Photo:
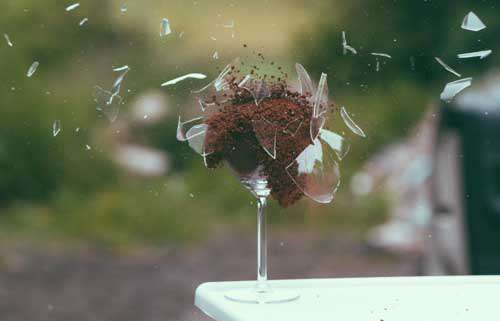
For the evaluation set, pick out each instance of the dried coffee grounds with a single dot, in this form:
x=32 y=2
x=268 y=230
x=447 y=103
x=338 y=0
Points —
x=232 y=138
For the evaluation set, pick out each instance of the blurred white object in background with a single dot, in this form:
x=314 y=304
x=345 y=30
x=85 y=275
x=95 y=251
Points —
x=149 y=107
x=141 y=160
x=402 y=172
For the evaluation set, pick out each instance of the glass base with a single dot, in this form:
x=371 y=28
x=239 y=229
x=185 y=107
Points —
x=256 y=296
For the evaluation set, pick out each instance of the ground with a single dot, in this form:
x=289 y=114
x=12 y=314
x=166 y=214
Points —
x=152 y=284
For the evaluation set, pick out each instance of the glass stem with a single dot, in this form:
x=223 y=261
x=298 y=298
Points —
x=261 y=244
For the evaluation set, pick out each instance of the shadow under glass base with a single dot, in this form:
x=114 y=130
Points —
x=257 y=296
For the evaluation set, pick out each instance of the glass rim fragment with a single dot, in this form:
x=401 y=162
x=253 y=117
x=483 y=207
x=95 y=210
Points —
x=181 y=78
x=7 y=39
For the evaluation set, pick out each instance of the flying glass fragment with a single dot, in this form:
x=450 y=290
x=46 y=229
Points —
x=453 y=88
x=472 y=22
x=32 y=69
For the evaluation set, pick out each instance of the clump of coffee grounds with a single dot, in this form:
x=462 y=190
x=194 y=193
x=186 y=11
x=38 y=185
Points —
x=232 y=139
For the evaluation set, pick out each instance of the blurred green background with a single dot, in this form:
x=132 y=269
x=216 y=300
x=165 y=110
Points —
x=57 y=189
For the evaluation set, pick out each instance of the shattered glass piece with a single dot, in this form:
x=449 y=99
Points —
x=118 y=82
x=213 y=38
x=336 y=142
x=56 y=127
x=472 y=22
x=377 y=65
x=72 y=6
x=381 y=54
x=215 y=56
x=257 y=87
x=321 y=97
x=448 y=68
x=7 y=39
x=181 y=78
x=315 y=126
x=213 y=94
x=315 y=172
x=196 y=138
x=230 y=24
x=306 y=86
x=108 y=103
x=87 y=147
x=453 y=88
x=182 y=127
x=481 y=54
x=122 y=68
x=293 y=126
x=346 y=47
x=123 y=8
x=350 y=123
x=164 y=28
x=266 y=133
x=83 y=21
x=32 y=69
x=181 y=34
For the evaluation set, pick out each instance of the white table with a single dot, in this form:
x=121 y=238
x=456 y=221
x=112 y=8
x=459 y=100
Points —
x=454 y=298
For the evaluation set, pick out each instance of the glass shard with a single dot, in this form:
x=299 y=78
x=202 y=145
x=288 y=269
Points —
x=56 y=128
x=164 y=28
x=108 y=103
x=320 y=107
x=83 y=21
x=257 y=87
x=315 y=126
x=306 y=86
x=196 y=138
x=472 y=22
x=7 y=39
x=123 y=8
x=480 y=54
x=183 y=127
x=315 y=172
x=345 y=46
x=215 y=56
x=32 y=69
x=266 y=133
x=381 y=54
x=377 y=65
x=448 y=68
x=118 y=82
x=72 y=6
x=350 y=123
x=181 y=78
x=336 y=142
x=87 y=147
x=453 y=88
x=321 y=97
x=293 y=126
x=214 y=93
x=122 y=68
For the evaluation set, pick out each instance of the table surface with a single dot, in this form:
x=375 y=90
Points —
x=450 y=298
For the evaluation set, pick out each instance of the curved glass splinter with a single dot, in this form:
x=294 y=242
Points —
x=306 y=86
x=320 y=107
x=266 y=133
x=315 y=172
x=350 y=123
